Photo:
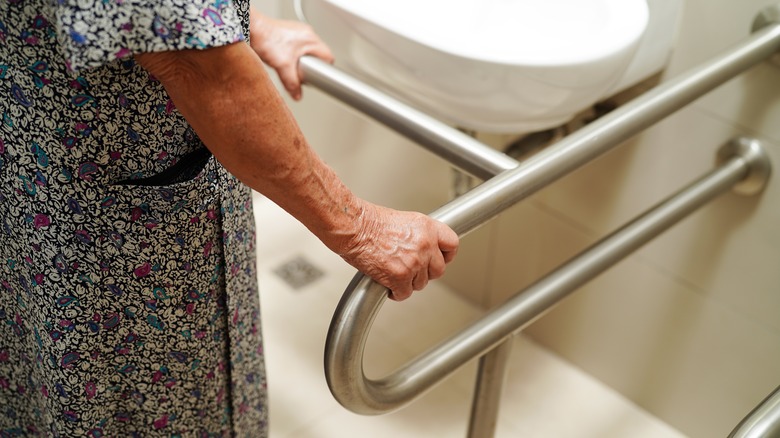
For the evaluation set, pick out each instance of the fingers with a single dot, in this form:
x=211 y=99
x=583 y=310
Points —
x=448 y=242
x=397 y=295
x=401 y=250
x=281 y=43
x=420 y=280
x=449 y=256
x=318 y=49
x=291 y=80
x=434 y=269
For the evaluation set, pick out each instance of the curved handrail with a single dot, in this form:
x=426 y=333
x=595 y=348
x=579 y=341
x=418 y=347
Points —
x=363 y=298
x=745 y=166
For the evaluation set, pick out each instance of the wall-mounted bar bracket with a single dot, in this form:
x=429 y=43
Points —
x=760 y=169
x=766 y=17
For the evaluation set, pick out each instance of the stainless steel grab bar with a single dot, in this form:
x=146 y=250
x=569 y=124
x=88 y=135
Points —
x=454 y=146
x=509 y=187
x=362 y=395
x=763 y=421
x=363 y=298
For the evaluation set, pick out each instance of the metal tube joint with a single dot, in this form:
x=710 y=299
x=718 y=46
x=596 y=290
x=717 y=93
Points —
x=768 y=16
x=758 y=164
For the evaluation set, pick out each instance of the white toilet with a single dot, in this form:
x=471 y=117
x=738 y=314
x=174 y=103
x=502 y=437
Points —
x=508 y=66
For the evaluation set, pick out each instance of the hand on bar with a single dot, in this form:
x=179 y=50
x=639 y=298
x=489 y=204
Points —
x=401 y=250
x=280 y=43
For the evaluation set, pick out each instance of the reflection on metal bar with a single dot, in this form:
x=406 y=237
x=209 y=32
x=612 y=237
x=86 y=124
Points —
x=454 y=146
x=356 y=311
x=509 y=187
x=363 y=298
x=487 y=392
x=763 y=421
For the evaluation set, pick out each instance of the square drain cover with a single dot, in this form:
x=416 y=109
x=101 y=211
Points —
x=298 y=272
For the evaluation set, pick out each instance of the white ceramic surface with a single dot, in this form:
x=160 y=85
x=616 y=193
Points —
x=490 y=65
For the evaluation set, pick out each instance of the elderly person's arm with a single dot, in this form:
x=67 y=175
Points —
x=227 y=97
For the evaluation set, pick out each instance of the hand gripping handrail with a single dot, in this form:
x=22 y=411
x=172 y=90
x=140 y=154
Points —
x=363 y=298
x=744 y=169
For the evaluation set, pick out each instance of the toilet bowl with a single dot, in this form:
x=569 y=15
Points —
x=497 y=65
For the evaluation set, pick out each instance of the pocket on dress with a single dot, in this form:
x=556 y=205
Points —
x=167 y=197
x=188 y=167
x=158 y=234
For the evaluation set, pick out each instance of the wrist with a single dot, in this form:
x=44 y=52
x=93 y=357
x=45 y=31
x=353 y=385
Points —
x=347 y=229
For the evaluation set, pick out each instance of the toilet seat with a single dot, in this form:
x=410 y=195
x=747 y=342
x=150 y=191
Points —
x=508 y=66
x=516 y=32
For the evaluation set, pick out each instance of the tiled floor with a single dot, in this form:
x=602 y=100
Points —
x=543 y=397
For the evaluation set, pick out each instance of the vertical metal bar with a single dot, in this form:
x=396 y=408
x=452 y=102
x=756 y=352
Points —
x=487 y=392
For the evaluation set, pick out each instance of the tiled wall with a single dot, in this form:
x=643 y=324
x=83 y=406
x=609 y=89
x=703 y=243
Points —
x=689 y=326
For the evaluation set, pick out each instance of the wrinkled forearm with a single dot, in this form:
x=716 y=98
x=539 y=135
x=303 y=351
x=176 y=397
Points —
x=227 y=97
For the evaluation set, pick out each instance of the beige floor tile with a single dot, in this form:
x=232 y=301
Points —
x=295 y=323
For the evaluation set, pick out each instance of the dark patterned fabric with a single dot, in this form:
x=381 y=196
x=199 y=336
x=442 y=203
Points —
x=128 y=296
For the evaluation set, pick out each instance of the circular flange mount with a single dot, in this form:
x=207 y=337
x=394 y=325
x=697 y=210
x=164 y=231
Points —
x=760 y=166
x=768 y=16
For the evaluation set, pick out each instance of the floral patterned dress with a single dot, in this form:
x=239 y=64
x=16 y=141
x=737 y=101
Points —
x=128 y=297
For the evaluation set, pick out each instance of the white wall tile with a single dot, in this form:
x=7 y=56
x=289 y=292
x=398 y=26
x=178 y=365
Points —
x=751 y=101
x=727 y=254
x=606 y=193
x=688 y=327
x=471 y=272
x=710 y=26
x=728 y=250
x=531 y=242
x=687 y=359
x=540 y=386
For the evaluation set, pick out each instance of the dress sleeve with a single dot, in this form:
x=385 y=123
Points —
x=94 y=32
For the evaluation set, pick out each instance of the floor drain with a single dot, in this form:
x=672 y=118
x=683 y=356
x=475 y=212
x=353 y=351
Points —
x=298 y=272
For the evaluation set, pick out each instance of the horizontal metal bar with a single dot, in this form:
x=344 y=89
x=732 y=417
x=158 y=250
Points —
x=763 y=421
x=356 y=311
x=457 y=148
x=501 y=192
x=515 y=183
